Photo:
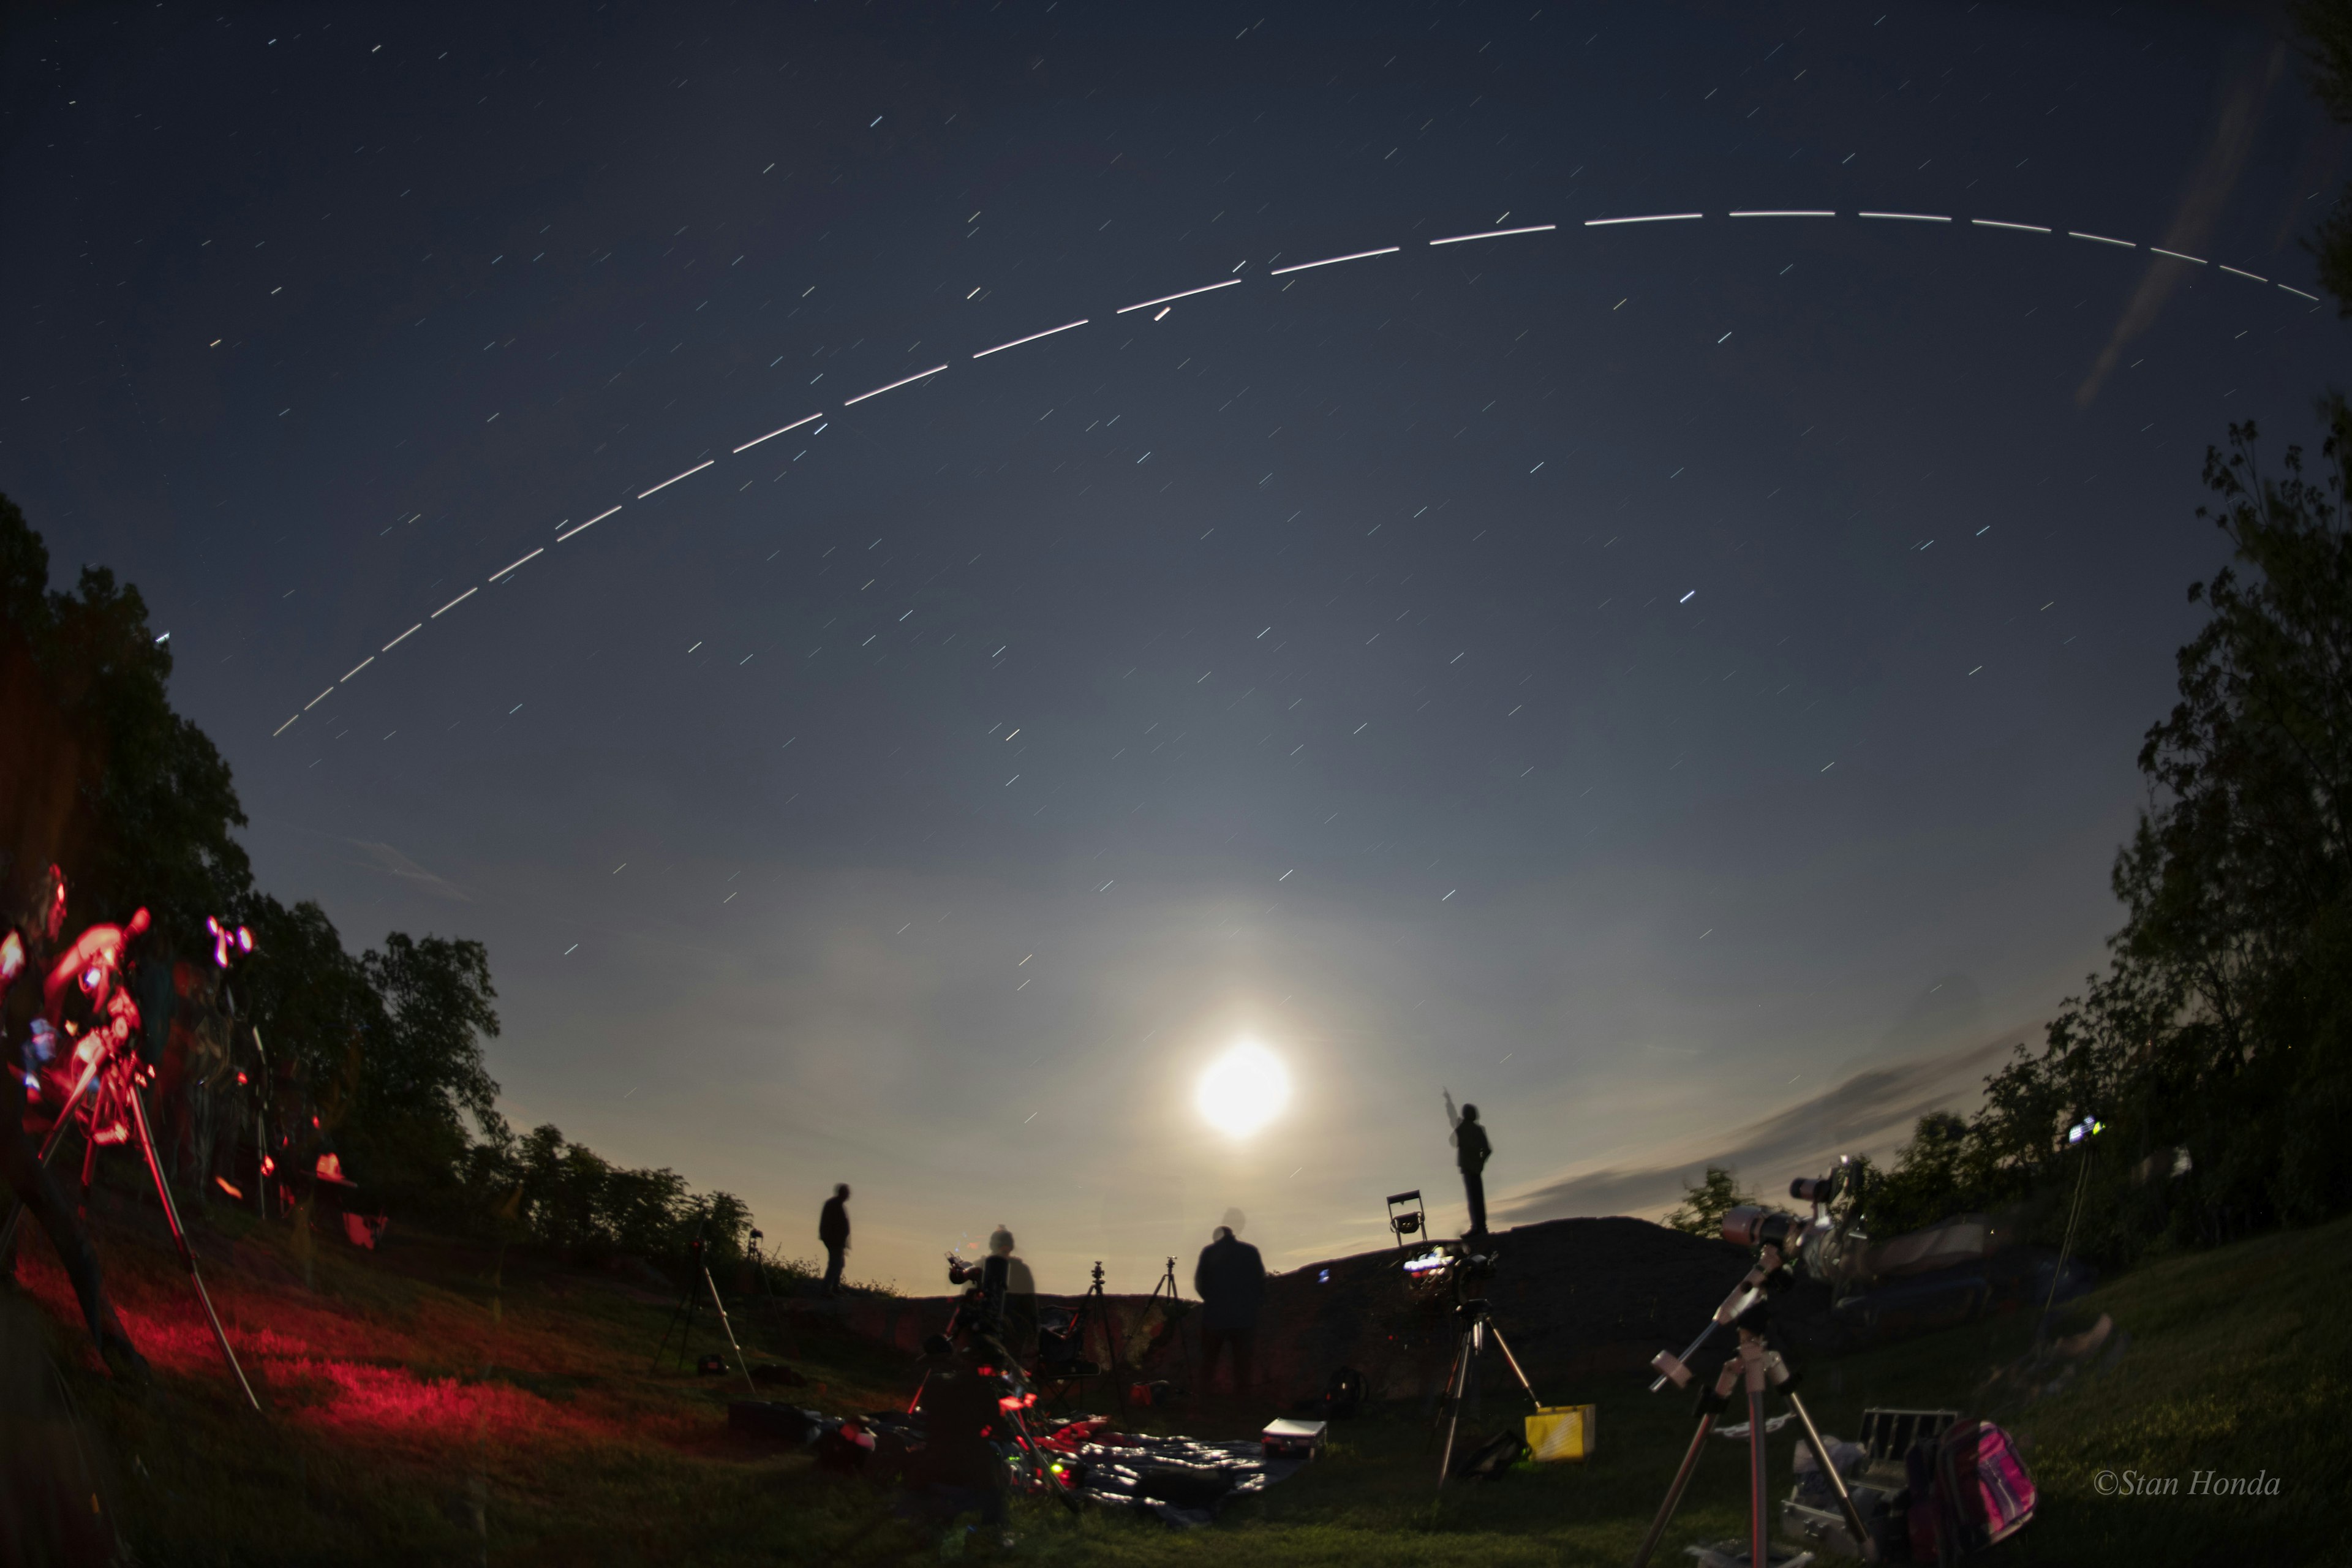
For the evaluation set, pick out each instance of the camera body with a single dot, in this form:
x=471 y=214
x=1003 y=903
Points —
x=961 y=1273
x=1752 y=1225
x=1819 y=1189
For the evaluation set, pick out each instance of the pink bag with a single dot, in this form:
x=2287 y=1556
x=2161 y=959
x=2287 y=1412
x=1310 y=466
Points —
x=1983 y=1492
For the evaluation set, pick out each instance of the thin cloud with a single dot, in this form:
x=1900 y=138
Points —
x=392 y=862
x=1868 y=1112
x=2235 y=122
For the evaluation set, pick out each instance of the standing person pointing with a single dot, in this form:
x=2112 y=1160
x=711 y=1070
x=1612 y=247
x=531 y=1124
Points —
x=1471 y=1151
x=832 y=1230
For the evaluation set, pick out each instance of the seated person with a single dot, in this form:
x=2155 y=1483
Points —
x=958 y=1469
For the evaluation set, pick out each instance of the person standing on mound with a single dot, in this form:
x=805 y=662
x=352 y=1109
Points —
x=1471 y=1151
x=832 y=1230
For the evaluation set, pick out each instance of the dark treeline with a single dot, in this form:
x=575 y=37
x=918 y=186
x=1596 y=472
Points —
x=2217 y=1047
x=99 y=777
x=2216 y=1050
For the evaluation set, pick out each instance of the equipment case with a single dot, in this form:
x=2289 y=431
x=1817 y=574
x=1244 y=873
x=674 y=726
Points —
x=1288 y=1440
x=1562 y=1432
x=1881 y=1488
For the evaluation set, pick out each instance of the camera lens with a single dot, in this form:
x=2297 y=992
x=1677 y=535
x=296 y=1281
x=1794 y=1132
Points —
x=1750 y=1225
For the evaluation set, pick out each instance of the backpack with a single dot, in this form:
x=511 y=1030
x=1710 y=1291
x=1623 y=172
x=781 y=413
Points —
x=1970 y=1490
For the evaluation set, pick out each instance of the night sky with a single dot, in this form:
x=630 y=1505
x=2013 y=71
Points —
x=1674 y=683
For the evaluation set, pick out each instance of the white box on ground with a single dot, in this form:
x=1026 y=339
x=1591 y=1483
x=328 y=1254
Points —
x=1294 y=1439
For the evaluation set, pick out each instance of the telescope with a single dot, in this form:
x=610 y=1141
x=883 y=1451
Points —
x=1778 y=1239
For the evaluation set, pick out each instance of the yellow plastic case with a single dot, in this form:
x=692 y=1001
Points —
x=1562 y=1432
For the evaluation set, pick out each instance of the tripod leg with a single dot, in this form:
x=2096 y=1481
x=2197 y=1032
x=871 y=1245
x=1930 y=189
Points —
x=1445 y=1393
x=662 y=1345
x=785 y=1335
x=745 y=1366
x=1759 y=1521
x=1837 y=1482
x=1037 y=1467
x=1525 y=1386
x=179 y=1238
x=1710 y=1404
x=1464 y=1360
x=1674 y=1493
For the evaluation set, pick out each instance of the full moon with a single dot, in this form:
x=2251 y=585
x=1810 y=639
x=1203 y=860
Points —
x=1243 y=1089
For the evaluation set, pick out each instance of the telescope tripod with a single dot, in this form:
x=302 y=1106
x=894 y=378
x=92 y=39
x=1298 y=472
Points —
x=688 y=1303
x=1172 y=1311
x=789 y=1341
x=117 y=1071
x=1474 y=1322
x=1753 y=1364
x=1094 y=1310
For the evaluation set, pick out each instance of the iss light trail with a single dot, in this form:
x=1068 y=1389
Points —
x=1166 y=301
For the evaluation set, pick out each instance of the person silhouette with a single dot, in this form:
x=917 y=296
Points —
x=1009 y=1293
x=832 y=1230
x=1231 y=1281
x=1471 y=1152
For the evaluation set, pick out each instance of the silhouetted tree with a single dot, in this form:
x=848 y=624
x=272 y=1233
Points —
x=97 y=773
x=2224 y=1022
x=2327 y=45
x=1701 y=1212
x=385 y=1049
x=1928 y=1181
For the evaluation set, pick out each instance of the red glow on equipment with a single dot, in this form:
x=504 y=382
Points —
x=1012 y=1402
x=228 y=943
x=222 y=1182
x=331 y=1169
x=95 y=956
x=269 y=1166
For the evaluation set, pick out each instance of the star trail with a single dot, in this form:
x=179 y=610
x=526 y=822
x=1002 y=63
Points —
x=917 y=577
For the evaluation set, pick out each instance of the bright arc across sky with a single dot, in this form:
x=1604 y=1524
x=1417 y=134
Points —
x=1243 y=1089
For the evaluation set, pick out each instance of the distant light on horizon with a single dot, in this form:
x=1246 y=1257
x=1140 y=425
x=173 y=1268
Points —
x=1243 y=1089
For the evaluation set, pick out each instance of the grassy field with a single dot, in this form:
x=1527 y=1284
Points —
x=437 y=1404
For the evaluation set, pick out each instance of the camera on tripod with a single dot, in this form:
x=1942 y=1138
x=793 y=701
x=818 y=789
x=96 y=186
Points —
x=1450 y=1262
x=1754 y=1225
